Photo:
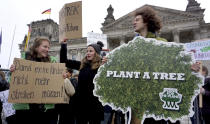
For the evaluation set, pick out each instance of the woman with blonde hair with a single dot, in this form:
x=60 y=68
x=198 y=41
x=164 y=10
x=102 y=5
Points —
x=88 y=108
x=36 y=113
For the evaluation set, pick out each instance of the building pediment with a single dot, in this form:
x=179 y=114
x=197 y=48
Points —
x=172 y=16
x=168 y=16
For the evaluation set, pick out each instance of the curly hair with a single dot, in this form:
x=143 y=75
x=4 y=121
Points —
x=150 y=17
x=95 y=63
x=33 y=52
x=205 y=70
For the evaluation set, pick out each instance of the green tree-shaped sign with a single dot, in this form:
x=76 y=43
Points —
x=137 y=73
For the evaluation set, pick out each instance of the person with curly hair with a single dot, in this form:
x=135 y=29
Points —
x=147 y=24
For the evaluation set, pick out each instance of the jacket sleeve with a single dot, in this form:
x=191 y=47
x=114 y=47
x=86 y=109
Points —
x=69 y=89
x=73 y=64
x=74 y=82
x=4 y=85
x=63 y=53
x=207 y=93
x=207 y=87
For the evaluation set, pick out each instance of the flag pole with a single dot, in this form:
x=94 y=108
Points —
x=28 y=37
x=11 y=46
x=50 y=13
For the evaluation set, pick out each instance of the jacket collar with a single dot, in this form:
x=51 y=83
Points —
x=149 y=35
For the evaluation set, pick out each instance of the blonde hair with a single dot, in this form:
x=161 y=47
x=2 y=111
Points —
x=95 y=63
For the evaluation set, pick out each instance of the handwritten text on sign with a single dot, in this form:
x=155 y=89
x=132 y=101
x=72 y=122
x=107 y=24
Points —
x=37 y=82
x=201 y=49
x=70 y=21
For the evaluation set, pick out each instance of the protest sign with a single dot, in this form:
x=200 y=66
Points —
x=201 y=49
x=70 y=21
x=152 y=78
x=93 y=38
x=37 y=82
x=7 y=107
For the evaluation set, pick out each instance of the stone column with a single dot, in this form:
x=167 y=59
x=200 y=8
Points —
x=196 y=34
x=204 y=33
x=82 y=53
x=176 y=35
x=108 y=44
x=69 y=53
x=78 y=54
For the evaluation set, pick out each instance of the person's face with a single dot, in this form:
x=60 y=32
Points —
x=68 y=74
x=90 y=53
x=43 y=49
x=139 y=24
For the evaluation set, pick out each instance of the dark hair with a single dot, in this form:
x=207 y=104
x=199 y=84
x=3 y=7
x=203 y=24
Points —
x=205 y=69
x=4 y=85
x=70 y=70
x=2 y=74
x=32 y=54
x=150 y=17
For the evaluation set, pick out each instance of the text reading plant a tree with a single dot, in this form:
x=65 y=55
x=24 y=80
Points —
x=151 y=77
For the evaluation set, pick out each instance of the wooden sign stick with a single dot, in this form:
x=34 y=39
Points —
x=200 y=95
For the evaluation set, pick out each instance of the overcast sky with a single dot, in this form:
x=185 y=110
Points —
x=19 y=13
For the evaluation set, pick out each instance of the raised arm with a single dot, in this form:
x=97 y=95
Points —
x=63 y=53
x=73 y=64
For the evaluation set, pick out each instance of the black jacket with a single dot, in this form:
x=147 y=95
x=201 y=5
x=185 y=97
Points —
x=87 y=105
x=4 y=85
x=74 y=82
x=206 y=97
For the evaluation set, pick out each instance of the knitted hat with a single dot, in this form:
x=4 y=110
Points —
x=97 y=47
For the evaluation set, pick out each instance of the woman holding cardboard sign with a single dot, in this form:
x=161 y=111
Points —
x=88 y=107
x=36 y=113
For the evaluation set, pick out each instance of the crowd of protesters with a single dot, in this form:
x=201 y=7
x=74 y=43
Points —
x=84 y=107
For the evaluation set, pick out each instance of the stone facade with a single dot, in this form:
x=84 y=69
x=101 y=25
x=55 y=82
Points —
x=178 y=26
x=44 y=28
x=49 y=29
